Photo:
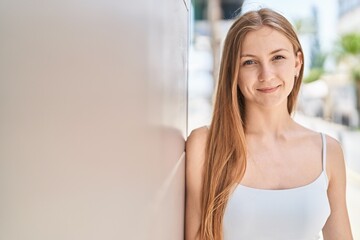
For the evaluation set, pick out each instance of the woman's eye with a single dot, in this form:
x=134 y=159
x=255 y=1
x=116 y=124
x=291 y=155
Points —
x=278 y=57
x=249 y=62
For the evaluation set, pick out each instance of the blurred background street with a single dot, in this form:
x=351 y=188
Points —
x=330 y=95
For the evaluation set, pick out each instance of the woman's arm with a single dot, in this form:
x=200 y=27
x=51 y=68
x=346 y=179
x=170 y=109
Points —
x=195 y=156
x=338 y=224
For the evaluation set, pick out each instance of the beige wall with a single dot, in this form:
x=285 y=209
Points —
x=92 y=119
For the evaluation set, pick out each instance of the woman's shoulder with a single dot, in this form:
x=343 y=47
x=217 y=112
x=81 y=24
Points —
x=196 y=143
x=333 y=145
x=195 y=150
x=194 y=167
x=334 y=157
x=334 y=153
x=198 y=136
x=314 y=136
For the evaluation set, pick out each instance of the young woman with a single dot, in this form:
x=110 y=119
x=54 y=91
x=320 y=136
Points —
x=255 y=173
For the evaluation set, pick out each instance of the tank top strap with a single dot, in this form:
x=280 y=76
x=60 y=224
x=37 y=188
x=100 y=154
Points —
x=323 y=138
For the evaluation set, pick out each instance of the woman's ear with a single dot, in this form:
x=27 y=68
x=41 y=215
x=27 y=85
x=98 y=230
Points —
x=298 y=62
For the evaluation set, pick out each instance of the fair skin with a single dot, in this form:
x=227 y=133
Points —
x=268 y=67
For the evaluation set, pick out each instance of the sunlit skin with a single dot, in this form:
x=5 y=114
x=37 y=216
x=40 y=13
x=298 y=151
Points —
x=268 y=68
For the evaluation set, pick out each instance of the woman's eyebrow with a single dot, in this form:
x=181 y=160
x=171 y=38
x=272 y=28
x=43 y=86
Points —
x=272 y=52
x=247 y=55
x=278 y=50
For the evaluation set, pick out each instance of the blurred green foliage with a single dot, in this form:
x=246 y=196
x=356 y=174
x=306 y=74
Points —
x=313 y=75
x=318 y=60
x=317 y=68
x=350 y=43
x=350 y=46
x=356 y=74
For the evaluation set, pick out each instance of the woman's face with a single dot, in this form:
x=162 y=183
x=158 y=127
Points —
x=268 y=66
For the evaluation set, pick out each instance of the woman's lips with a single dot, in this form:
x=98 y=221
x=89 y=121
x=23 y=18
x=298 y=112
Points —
x=268 y=89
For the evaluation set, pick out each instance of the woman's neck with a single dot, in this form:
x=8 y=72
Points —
x=268 y=121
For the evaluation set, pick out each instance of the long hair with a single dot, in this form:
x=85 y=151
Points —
x=225 y=155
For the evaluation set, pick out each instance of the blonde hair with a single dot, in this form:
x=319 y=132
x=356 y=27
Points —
x=225 y=159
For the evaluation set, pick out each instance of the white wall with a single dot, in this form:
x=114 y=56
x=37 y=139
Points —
x=350 y=21
x=92 y=119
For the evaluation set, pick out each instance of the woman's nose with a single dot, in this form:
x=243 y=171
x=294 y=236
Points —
x=266 y=73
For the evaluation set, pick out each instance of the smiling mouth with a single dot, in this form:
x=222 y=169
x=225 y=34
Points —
x=268 y=89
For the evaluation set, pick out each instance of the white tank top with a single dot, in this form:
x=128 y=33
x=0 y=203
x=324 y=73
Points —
x=287 y=214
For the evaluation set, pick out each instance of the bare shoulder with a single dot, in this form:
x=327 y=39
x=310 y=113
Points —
x=197 y=139
x=338 y=225
x=334 y=148
x=195 y=157
x=335 y=158
x=195 y=148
